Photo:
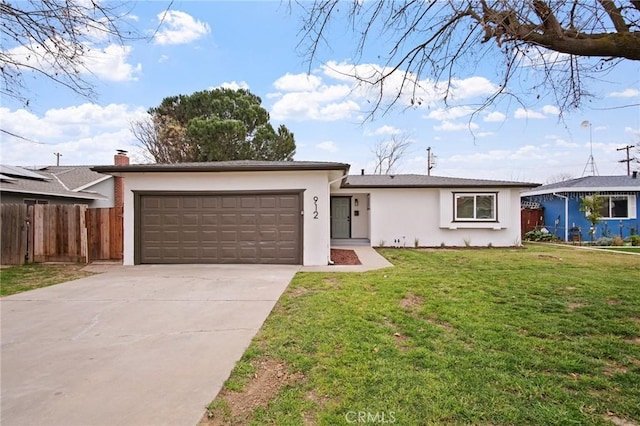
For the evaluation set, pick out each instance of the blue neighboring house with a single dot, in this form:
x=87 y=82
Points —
x=561 y=203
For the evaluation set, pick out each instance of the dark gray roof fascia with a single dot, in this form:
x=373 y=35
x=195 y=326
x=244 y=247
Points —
x=423 y=181
x=224 y=166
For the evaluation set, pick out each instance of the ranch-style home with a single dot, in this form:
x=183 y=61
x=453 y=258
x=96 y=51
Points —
x=561 y=205
x=291 y=212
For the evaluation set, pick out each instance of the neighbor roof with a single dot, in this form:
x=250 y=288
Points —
x=590 y=184
x=56 y=181
x=423 y=181
x=225 y=166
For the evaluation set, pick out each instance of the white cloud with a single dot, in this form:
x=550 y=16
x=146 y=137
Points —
x=472 y=87
x=383 y=130
x=163 y=58
x=632 y=130
x=627 y=93
x=83 y=134
x=339 y=90
x=297 y=82
x=108 y=63
x=448 y=126
x=484 y=134
x=494 y=117
x=327 y=146
x=450 y=113
x=327 y=103
x=179 y=28
x=565 y=144
x=527 y=113
x=233 y=85
x=550 y=109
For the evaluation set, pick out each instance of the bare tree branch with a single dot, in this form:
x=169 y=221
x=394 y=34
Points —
x=388 y=153
x=432 y=41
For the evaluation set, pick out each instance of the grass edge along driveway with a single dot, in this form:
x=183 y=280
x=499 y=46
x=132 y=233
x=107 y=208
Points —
x=542 y=335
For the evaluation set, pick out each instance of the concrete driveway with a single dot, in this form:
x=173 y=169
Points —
x=142 y=345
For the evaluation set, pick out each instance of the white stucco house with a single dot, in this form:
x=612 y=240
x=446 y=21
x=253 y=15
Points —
x=293 y=211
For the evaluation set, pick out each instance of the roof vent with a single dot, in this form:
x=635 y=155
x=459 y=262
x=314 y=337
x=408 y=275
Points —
x=361 y=172
x=634 y=175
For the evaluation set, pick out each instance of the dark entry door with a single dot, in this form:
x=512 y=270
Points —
x=340 y=217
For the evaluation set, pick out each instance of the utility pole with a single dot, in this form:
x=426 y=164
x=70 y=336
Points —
x=58 y=155
x=628 y=160
x=430 y=161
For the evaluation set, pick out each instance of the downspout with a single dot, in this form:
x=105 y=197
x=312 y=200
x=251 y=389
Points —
x=566 y=215
x=346 y=173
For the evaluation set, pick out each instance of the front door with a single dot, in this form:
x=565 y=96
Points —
x=340 y=217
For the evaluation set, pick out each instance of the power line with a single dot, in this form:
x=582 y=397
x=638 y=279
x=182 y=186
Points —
x=21 y=137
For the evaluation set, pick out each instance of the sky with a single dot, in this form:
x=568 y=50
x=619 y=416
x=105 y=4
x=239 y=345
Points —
x=257 y=46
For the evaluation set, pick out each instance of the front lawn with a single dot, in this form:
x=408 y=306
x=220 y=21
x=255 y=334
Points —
x=542 y=335
x=623 y=249
x=16 y=279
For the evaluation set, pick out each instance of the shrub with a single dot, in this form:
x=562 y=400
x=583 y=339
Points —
x=604 y=241
x=617 y=241
x=538 y=235
x=635 y=240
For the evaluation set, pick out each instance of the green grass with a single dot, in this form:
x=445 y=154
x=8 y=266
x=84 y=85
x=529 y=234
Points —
x=623 y=249
x=542 y=335
x=16 y=279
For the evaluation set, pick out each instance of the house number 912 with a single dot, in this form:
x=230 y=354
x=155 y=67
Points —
x=315 y=205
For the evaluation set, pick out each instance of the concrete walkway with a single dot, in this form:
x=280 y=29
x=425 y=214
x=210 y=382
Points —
x=138 y=345
x=369 y=258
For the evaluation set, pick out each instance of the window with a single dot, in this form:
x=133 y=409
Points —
x=471 y=207
x=615 y=206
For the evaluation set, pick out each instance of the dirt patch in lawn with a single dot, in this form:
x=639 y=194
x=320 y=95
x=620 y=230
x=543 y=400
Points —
x=411 y=302
x=344 y=257
x=237 y=407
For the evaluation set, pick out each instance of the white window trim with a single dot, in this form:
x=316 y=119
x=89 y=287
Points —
x=456 y=195
x=631 y=201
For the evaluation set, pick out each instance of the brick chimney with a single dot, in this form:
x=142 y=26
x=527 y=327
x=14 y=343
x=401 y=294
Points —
x=120 y=159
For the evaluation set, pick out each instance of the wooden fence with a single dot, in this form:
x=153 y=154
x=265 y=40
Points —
x=13 y=233
x=59 y=233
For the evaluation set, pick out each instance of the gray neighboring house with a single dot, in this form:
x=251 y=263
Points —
x=56 y=185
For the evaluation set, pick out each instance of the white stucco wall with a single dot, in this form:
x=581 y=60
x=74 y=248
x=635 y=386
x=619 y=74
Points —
x=316 y=241
x=400 y=216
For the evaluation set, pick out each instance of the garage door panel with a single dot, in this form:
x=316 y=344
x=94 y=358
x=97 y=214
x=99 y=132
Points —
x=268 y=202
x=170 y=219
x=220 y=228
x=170 y=202
x=229 y=219
x=190 y=218
x=190 y=202
x=288 y=202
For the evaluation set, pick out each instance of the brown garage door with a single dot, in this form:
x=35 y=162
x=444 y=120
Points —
x=219 y=228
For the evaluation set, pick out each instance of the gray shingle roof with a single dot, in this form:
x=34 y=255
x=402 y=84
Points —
x=590 y=184
x=56 y=181
x=422 y=181
x=225 y=166
x=74 y=177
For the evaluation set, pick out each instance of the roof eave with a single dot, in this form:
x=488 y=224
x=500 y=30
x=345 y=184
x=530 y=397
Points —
x=364 y=186
x=583 y=189
x=146 y=168
x=53 y=194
